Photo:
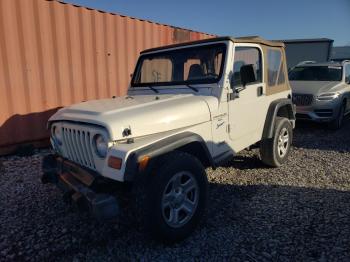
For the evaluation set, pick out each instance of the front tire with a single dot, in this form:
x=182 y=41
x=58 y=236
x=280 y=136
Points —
x=176 y=197
x=275 y=151
x=338 y=122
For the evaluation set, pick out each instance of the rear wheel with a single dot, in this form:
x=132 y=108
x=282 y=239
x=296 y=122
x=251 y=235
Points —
x=275 y=151
x=176 y=197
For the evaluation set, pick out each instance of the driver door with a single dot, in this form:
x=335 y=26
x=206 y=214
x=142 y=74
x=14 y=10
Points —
x=246 y=109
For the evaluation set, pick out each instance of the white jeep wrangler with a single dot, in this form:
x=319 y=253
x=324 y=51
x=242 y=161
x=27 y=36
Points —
x=189 y=106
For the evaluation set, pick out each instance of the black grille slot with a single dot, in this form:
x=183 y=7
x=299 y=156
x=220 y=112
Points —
x=302 y=116
x=302 y=99
x=324 y=112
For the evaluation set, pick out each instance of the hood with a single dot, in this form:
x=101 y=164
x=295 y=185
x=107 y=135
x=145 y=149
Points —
x=314 y=87
x=143 y=114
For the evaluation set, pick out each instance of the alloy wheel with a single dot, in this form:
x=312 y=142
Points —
x=283 y=142
x=180 y=199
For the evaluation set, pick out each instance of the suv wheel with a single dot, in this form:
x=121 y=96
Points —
x=274 y=151
x=338 y=122
x=176 y=197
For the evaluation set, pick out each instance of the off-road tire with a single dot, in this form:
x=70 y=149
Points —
x=150 y=191
x=269 y=151
x=338 y=122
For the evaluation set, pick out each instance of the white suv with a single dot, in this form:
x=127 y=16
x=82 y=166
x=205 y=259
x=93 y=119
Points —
x=189 y=106
x=321 y=91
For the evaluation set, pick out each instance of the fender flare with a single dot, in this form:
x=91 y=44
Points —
x=272 y=114
x=162 y=147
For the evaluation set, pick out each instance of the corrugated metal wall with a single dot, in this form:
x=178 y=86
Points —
x=54 y=54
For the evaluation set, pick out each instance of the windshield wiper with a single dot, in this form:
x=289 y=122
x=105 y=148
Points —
x=192 y=87
x=153 y=89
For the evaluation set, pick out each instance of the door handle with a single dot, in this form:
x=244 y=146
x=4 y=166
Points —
x=260 y=91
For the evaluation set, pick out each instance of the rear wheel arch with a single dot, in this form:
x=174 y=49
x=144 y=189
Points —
x=286 y=111
x=278 y=108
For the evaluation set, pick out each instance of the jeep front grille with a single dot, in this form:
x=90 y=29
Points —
x=302 y=99
x=77 y=144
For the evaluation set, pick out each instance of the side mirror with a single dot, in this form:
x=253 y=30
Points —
x=247 y=75
x=236 y=86
x=347 y=80
x=240 y=79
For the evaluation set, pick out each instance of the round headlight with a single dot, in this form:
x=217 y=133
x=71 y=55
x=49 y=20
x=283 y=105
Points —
x=101 y=146
x=57 y=134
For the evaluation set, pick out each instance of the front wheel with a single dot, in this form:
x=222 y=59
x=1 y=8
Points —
x=275 y=151
x=177 y=197
x=338 y=122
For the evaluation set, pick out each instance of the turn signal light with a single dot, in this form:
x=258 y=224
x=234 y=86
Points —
x=115 y=162
x=143 y=163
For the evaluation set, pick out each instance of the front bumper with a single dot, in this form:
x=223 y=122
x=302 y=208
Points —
x=321 y=111
x=77 y=185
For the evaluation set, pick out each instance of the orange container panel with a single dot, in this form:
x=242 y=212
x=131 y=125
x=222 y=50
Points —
x=54 y=54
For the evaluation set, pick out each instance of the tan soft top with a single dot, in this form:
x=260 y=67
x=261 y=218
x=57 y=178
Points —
x=246 y=39
x=258 y=40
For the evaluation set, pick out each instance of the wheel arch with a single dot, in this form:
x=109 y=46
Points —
x=187 y=142
x=279 y=108
x=345 y=100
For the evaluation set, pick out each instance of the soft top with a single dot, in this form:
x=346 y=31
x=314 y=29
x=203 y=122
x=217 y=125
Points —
x=246 y=39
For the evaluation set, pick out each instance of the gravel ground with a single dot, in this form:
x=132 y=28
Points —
x=297 y=212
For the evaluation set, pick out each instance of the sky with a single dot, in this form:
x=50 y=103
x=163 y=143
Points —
x=270 y=19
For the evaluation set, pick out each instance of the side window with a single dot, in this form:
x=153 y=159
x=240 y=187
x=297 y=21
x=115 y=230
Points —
x=246 y=56
x=275 y=70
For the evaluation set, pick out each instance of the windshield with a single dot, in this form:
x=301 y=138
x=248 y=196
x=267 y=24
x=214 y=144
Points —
x=192 y=65
x=316 y=73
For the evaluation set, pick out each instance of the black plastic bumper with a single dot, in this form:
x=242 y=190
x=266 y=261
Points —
x=76 y=184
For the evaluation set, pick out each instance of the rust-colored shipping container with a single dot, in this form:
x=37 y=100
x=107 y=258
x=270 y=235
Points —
x=54 y=54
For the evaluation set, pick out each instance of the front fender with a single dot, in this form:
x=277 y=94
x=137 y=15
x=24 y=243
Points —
x=162 y=147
